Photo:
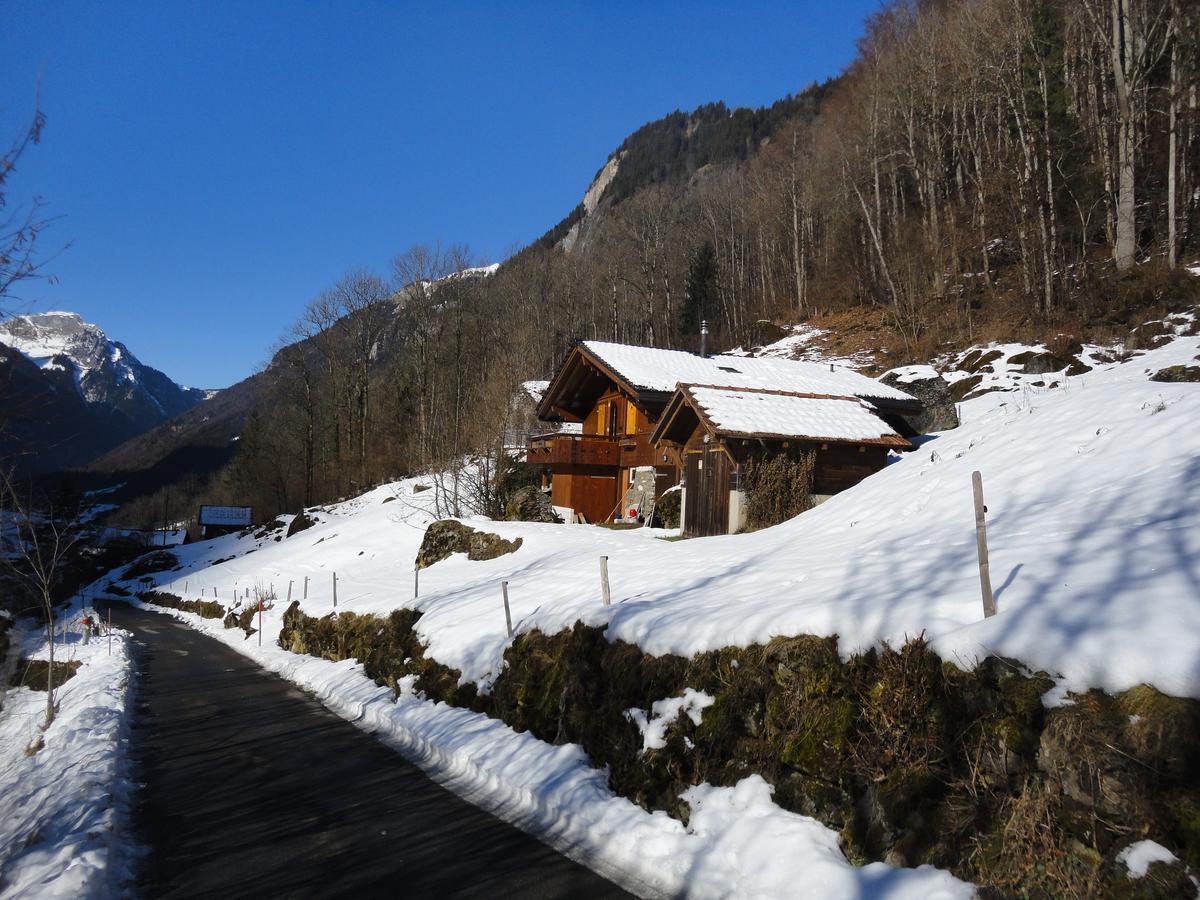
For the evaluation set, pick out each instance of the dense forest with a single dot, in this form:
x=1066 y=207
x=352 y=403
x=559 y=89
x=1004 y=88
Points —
x=983 y=170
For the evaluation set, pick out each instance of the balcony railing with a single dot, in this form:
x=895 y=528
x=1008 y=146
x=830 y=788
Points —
x=573 y=450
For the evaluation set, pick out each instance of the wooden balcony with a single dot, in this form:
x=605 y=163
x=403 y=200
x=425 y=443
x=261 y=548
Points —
x=573 y=450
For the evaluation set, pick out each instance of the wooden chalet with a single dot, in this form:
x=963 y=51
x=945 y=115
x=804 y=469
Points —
x=591 y=465
x=622 y=452
x=714 y=433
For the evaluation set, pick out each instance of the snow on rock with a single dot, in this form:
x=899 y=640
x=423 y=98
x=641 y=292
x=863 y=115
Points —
x=1139 y=856
x=804 y=343
x=43 y=336
x=760 y=850
x=535 y=389
x=663 y=714
x=910 y=374
x=62 y=831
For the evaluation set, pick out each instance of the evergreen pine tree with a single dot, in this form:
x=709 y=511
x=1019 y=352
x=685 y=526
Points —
x=700 y=297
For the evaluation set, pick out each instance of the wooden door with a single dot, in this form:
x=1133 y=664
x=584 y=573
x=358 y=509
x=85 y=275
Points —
x=706 y=510
x=595 y=496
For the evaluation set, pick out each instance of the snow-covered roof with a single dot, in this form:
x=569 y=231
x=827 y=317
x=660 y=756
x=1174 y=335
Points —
x=655 y=369
x=757 y=412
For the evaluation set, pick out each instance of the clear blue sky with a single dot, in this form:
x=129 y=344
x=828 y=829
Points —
x=215 y=165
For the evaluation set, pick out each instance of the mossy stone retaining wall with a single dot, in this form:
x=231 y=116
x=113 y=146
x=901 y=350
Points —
x=912 y=759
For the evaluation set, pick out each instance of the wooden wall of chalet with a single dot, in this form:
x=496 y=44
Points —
x=706 y=503
x=710 y=471
x=592 y=496
x=837 y=466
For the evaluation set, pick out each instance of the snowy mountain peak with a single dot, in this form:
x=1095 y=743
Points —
x=43 y=336
x=85 y=374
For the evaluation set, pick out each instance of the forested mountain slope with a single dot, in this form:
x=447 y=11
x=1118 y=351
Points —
x=982 y=171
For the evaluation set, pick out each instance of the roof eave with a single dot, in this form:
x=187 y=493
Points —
x=886 y=440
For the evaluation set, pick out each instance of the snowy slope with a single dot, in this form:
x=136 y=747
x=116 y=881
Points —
x=62 y=832
x=1092 y=488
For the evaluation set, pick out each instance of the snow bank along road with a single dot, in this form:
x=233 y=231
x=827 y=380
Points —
x=252 y=788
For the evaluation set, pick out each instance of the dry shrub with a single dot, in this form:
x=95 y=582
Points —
x=1031 y=848
x=778 y=488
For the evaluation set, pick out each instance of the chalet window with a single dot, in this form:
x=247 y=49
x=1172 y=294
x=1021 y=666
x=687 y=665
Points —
x=609 y=424
x=630 y=418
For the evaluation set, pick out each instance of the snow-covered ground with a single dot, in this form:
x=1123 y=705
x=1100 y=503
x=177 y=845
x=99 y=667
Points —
x=738 y=842
x=63 y=809
x=1093 y=491
x=804 y=343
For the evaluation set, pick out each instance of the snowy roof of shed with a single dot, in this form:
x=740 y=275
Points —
x=655 y=369
x=777 y=415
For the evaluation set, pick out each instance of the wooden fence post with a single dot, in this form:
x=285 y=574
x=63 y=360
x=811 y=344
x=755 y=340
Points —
x=335 y=590
x=604 y=580
x=985 y=577
x=507 y=614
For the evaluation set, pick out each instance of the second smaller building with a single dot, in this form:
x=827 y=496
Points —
x=714 y=434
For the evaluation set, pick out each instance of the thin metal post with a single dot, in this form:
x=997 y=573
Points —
x=507 y=613
x=260 y=623
x=604 y=580
x=985 y=577
x=289 y=599
x=335 y=590
x=305 y=597
x=110 y=631
x=416 y=582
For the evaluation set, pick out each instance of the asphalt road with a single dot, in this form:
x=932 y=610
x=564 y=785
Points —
x=251 y=788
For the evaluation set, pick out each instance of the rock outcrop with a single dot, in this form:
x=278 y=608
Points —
x=448 y=536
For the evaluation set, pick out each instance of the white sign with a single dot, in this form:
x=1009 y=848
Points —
x=233 y=516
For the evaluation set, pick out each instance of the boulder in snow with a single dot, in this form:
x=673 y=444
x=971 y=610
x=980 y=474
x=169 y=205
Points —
x=449 y=536
x=935 y=393
x=530 y=504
